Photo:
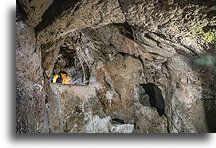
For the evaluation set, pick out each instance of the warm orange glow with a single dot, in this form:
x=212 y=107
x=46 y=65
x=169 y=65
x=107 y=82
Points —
x=55 y=78
x=66 y=80
x=62 y=78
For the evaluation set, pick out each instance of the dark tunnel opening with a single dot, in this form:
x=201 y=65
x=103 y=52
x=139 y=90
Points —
x=69 y=64
x=151 y=95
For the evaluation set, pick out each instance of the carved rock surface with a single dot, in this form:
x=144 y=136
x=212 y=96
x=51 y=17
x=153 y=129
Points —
x=137 y=66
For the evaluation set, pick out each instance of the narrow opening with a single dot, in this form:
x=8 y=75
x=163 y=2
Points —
x=125 y=29
x=151 y=95
x=117 y=121
x=69 y=68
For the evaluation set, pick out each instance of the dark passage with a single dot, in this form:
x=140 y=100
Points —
x=151 y=95
x=68 y=66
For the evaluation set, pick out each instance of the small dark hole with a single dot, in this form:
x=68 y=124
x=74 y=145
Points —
x=46 y=100
x=151 y=95
x=118 y=120
x=208 y=28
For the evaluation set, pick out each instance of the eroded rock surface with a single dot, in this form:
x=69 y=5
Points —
x=30 y=95
x=137 y=66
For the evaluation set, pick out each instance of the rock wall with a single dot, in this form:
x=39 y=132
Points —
x=31 y=113
x=138 y=66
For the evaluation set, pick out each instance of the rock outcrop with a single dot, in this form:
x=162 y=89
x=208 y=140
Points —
x=137 y=66
x=30 y=96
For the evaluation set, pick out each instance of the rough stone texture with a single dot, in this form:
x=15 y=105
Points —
x=115 y=92
x=30 y=96
x=76 y=109
x=34 y=10
x=92 y=13
x=188 y=100
x=112 y=48
x=70 y=107
x=174 y=19
x=148 y=121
